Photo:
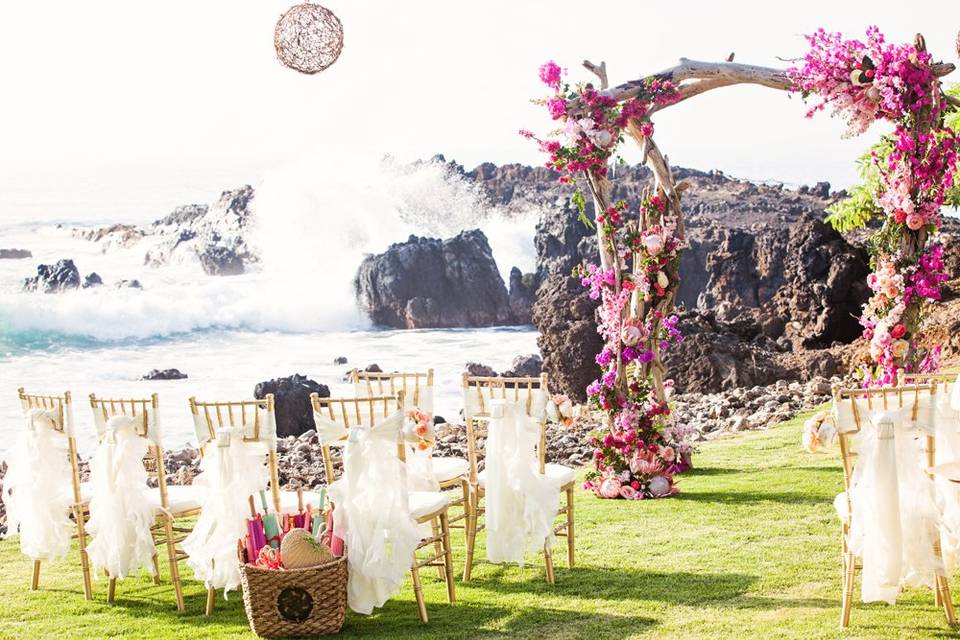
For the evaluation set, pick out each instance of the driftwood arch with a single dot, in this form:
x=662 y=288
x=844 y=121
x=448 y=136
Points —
x=691 y=78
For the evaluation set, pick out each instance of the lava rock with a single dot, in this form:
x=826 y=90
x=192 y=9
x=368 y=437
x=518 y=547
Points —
x=54 y=278
x=292 y=402
x=522 y=293
x=165 y=374
x=433 y=283
x=528 y=366
x=128 y=284
x=92 y=279
x=478 y=369
x=14 y=254
x=340 y=360
x=373 y=368
x=220 y=261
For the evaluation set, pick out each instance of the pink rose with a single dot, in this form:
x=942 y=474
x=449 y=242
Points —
x=668 y=454
x=628 y=493
x=915 y=222
x=610 y=488
x=653 y=243
x=631 y=335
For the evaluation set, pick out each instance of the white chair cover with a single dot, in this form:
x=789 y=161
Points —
x=120 y=516
x=267 y=421
x=521 y=504
x=947 y=424
x=894 y=513
x=231 y=472
x=371 y=512
x=38 y=488
x=137 y=420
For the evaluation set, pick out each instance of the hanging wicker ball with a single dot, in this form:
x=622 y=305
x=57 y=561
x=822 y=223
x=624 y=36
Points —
x=308 y=38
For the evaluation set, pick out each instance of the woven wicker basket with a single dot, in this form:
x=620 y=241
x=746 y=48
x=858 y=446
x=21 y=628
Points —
x=297 y=602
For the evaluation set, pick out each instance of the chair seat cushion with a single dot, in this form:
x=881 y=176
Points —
x=446 y=469
x=842 y=506
x=563 y=475
x=422 y=503
x=180 y=498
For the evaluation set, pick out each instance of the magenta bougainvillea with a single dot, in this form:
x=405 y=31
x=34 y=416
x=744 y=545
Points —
x=866 y=81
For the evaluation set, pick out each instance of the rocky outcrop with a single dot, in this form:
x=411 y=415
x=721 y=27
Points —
x=92 y=279
x=14 y=254
x=427 y=282
x=291 y=397
x=522 y=293
x=528 y=366
x=165 y=374
x=214 y=235
x=61 y=276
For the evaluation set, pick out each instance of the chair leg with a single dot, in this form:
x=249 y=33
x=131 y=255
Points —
x=548 y=560
x=156 y=568
x=84 y=559
x=848 y=585
x=437 y=546
x=172 y=557
x=471 y=529
x=111 y=590
x=35 y=583
x=448 y=557
x=418 y=591
x=211 y=599
x=571 y=544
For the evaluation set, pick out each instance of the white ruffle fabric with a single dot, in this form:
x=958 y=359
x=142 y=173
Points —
x=38 y=488
x=371 y=511
x=521 y=504
x=120 y=514
x=231 y=471
x=947 y=423
x=894 y=511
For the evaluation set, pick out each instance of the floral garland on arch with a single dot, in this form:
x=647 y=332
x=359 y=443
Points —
x=642 y=451
x=915 y=166
x=640 y=244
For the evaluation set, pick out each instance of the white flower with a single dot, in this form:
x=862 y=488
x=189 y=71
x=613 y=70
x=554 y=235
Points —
x=662 y=279
x=586 y=124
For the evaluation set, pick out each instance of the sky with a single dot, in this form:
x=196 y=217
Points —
x=116 y=109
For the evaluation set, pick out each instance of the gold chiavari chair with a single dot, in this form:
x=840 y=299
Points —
x=63 y=408
x=851 y=409
x=424 y=506
x=946 y=378
x=478 y=392
x=417 y=388
x=171 y=502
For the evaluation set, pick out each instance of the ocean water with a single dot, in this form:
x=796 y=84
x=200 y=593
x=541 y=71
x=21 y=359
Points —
x=293 y=313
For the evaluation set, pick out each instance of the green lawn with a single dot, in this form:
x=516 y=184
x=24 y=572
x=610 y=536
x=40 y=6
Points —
x=748 y=549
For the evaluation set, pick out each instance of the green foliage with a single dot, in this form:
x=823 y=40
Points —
x=860 y=206
x=578 y=201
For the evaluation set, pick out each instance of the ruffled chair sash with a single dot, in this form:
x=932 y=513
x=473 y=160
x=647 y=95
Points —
x=371 y=511
x=894 y=512
x=231 y=471
x=120 y=516
x=521 y=504
x=37 y=487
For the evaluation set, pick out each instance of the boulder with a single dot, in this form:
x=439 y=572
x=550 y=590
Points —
x=14 y=254
x=292 y=402
x=529 y=366
x=433 y=283
x=128 y=284
x=480 y=370
x=165 y=374
x=54 y=278
x=92 y=279
x=373 y=368
x=340 y=360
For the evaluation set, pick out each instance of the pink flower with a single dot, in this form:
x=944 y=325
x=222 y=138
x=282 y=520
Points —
x=627 y=492
x=660 y=487
x=610 y=488
x=653 y=243
x=557 y=108
x=668 y=454
x=550 y=74
x=915 y=222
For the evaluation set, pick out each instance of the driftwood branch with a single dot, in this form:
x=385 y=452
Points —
x=599 y=71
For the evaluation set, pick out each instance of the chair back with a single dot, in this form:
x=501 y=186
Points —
x=480 y=391
x=852 y=407
x=258 y=420
x=417 y=387
x=944 y=378
x=62 y=414
x=353 y=412
x=144 y=411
